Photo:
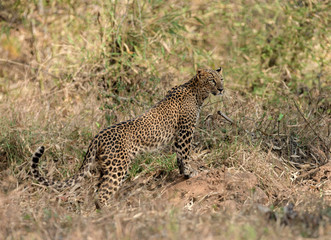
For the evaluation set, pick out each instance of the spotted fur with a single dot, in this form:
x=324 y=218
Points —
x=113 y=149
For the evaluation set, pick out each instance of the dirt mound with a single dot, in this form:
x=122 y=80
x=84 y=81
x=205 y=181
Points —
x=226 y=190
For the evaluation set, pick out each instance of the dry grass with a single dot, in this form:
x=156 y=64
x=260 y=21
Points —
x=70 y=68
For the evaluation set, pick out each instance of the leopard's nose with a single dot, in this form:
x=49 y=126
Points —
x=220 y=90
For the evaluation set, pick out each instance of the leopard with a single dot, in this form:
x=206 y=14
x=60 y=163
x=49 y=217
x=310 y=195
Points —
x=113 y=150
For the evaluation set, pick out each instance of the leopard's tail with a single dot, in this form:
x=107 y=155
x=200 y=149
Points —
x=58 y=185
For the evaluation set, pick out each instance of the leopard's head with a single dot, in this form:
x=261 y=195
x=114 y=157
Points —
x=210 y=81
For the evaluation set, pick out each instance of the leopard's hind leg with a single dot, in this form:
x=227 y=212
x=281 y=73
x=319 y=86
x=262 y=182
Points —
x=114 y=170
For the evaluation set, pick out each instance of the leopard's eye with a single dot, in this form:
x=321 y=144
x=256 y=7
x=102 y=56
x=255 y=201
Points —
x=213 y=81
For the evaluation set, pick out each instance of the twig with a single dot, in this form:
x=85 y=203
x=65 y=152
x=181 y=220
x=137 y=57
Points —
x=13 y=62
x=28 y=66
x=45 y=187
x=308 y=123
x=100 y=26
x=212 y=103
x=226 y=117
x=307 y=174
x=240 y=127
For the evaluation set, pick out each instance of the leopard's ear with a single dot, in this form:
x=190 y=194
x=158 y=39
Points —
x=220 y=70
x=200 y=73
x=200 y=70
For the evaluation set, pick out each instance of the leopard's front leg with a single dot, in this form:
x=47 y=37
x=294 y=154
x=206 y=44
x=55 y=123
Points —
x=183 y=150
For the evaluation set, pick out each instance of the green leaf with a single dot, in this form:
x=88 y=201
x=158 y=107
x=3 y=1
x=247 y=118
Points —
x=199 y=20
x=280 y=117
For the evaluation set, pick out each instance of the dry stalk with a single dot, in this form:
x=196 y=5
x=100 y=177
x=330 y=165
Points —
x=327 y=146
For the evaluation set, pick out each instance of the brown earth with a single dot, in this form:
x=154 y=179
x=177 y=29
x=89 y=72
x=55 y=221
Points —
x=226 y=189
